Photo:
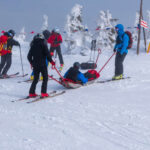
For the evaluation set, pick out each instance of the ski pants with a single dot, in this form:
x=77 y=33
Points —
x=6 y=61
x=58 y=50
x=37 y=71
x=119 y=63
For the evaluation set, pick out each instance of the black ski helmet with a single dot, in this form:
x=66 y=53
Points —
x=46 y=34
x=12 y=32
x=7 y=34
x=76 y=65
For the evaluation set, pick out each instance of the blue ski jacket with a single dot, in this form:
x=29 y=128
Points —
x=122 y=46
x=80 y=77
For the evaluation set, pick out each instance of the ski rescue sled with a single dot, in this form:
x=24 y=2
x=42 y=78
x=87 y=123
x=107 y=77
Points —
x=92 y=76
x=73 y=85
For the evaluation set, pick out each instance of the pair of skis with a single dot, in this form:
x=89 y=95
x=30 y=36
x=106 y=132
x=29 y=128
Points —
x=109 y=80
x=39 y=98
x=29 y=80
x=13 y=76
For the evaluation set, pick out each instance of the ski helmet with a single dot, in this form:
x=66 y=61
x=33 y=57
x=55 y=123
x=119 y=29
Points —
x=76 y=65
x=12 y=32
x=46 y=34
x=7 y=34
x=56 y=30
x=39 y=36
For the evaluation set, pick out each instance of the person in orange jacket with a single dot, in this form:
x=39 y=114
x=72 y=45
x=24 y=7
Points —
x=55 y=40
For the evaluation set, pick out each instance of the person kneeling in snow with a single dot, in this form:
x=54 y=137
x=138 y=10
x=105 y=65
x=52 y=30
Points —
x=73 y=74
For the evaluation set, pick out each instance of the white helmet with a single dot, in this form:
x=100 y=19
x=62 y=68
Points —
x=39 y=36
x=56 y=30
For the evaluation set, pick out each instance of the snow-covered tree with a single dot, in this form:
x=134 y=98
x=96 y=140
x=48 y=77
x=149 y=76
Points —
x=135 y=31
x=45 y=23
x=74 y=20
x=76 y=33
x=106 y=33
x=21 y=37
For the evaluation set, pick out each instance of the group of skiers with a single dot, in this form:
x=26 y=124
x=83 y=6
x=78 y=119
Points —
x=39 y=56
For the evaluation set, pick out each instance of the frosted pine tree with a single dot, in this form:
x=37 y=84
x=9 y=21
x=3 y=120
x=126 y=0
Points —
x=106 y=36
x=45 y=23
x=75 y=29
x=21 y=37
x=148 y=16
x=135 y=31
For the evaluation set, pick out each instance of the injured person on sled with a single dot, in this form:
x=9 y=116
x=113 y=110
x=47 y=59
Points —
x=74 y=75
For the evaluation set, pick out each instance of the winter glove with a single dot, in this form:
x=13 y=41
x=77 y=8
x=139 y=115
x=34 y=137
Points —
x=57 y=42
x=114 y=50
x=53 y=64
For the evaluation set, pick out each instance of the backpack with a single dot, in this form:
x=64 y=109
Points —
x=118 y=41
x=130 y=39
x=3 y=45
x=92 y=74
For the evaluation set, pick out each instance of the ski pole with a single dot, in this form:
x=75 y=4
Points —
x=21 y=61
x=107 y=62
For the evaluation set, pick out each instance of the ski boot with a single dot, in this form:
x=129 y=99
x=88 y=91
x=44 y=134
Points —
x=44 y=95
x=41 y=78
x=32 y=95
x=118 y=77
x=31 y=77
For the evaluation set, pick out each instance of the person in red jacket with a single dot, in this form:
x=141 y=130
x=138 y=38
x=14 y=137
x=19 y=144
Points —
x=6 y=55
x=55 y=40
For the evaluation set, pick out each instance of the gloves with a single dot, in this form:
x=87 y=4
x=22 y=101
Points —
x=57 y=42
x=114 y=50
x=53 y=64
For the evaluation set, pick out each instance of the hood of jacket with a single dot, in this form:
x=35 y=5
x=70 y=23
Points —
x=120 y=28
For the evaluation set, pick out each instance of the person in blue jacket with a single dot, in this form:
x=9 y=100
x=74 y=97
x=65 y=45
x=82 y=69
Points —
x=122 y=42
x=75 y=75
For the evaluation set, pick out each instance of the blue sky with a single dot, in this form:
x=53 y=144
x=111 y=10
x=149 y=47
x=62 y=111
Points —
x=16 y=14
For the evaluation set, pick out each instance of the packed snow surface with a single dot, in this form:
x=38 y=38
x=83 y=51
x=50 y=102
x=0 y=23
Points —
x=108 y=116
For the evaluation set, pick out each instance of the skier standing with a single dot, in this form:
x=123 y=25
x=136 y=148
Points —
x=120 y=48
x=46 y=34
x=37 y=56
x=55 y=40
x=6 y=59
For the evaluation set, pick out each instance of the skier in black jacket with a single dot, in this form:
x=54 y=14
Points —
x=37 y=57
x=6 y=60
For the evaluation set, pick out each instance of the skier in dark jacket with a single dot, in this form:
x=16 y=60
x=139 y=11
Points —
x=55 y=40
x=122 y=43
x=37 y=56
x=6 y=59
x=75 y=75
x=46 y=34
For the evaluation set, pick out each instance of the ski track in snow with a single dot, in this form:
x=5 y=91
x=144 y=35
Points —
x=109 y=116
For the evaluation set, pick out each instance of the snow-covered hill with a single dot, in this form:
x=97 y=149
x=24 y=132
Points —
x=109 y=116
